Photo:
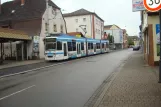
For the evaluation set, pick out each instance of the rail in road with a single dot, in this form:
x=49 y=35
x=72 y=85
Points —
x=6 y=72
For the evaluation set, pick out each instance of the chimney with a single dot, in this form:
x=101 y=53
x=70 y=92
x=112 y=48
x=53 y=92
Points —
x=22 y=2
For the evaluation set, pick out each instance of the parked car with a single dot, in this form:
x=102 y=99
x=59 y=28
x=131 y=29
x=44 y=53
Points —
x=136 y=48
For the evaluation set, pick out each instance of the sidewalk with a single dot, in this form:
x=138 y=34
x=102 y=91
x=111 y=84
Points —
x=136 y=85
x=20 y=63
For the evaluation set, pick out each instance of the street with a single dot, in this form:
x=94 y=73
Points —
x=67 y=85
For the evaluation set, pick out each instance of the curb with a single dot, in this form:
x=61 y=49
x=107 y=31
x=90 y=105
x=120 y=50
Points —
x=39 y=61
x=110 y=79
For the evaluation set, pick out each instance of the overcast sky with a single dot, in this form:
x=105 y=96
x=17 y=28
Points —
x=117 y=12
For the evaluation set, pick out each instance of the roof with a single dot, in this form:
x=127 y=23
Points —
x=13 y=34
x=109 y=26
x=32 y=9
x=75 y=33
x=81 y=12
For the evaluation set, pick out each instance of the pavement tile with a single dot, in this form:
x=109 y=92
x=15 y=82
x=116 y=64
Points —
x=136 y=85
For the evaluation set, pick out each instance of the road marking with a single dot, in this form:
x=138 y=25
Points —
x=16 y=92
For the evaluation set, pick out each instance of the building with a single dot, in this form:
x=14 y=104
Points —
x=31 y=16
x=13 y=45
x=117 y=33
x=150 y=29
x=125 y=39
x=89 y=23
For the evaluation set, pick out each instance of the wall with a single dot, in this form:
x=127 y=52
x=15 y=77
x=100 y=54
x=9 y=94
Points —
x=31 y=27
x=117 y=33
x=114 y=27
x=72 y=25
x=145 y=20
x=154 y=20
x=98 y=26
x=55 y=18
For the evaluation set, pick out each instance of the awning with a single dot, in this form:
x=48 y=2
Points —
x=13 y=34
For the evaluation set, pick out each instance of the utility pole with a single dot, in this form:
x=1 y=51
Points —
x=112 y=38
x=160 y=48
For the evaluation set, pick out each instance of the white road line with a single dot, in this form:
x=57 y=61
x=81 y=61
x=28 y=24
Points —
x=16 y=92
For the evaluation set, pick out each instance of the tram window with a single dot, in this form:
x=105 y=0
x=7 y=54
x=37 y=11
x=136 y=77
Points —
x=98 y=46
x=74 y=46
x=70 y=46
x=50 y=46
x=59 y=45
x=91 y=45
x=82 y=46
x=102 y=45
x=106 y=45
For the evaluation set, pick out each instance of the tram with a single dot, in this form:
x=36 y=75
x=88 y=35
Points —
x=63 y=46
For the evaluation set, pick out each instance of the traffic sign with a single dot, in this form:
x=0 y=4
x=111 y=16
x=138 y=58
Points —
x=152 y=5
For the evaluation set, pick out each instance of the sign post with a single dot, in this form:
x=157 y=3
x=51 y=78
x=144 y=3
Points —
x=154 y=6
x=160 y=48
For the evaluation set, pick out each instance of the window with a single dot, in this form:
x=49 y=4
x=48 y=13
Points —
x=76 y=20
x=106 y=45
x=84 y=19
x=102 y=45
x=70 y=48
x=91 y=45
x=55 y=28
x=59 y=45
x=61 y=28
x=46 y=27
x=74 y=46
x=50 y=46
x=98 y=45
x=82 y=46
x=5 y=26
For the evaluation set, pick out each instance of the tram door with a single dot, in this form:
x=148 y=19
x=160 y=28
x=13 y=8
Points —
x=94 y=48
x=65 y=50
x=78 y=49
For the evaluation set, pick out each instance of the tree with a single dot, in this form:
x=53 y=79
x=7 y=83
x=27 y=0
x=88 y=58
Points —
x=110 y=38
x=130 y=42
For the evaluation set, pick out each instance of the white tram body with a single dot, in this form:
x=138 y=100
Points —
x=63 y=46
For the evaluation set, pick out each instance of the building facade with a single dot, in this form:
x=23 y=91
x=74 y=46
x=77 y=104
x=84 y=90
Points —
x=150 y=28
x=30 y=16
x=117 y=33
x=86 y=22
x=125 y=39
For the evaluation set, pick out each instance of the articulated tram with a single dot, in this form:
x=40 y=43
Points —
x=63 y=46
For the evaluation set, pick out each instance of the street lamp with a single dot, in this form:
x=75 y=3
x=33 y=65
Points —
x=84 y=29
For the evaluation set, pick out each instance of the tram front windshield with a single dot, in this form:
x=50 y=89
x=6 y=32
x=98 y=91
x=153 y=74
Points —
x=50 y=44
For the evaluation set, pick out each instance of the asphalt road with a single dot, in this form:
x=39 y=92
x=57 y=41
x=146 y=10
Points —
x=66 y=85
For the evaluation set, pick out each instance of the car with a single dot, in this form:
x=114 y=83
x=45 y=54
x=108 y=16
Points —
x=136 y=48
